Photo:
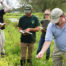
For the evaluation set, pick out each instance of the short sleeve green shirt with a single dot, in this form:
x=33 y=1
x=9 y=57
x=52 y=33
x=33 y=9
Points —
x=28 y=22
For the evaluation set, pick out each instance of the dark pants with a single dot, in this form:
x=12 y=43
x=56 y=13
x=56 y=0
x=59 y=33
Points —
x=41 y=42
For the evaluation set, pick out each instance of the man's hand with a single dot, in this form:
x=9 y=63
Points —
x=24 y=31
x=44 y=49
x=27 y=30
x=41 y=28
x=36 y=29
x=2 y=25
x=40 y=55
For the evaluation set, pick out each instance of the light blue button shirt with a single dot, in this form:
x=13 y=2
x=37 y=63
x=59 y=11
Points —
x=59 y=35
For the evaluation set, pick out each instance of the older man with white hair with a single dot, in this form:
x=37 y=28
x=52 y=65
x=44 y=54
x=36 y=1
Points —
x=56 y=28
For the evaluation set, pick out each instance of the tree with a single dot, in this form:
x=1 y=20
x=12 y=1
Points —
x=44 y=4
x=41 y=5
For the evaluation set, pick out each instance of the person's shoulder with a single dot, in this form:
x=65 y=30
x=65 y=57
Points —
x=22 y=17
x=34 y=16
x=43 y=20
x=50 y=25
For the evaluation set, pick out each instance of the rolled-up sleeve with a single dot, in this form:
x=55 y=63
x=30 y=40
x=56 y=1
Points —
x=48 y=36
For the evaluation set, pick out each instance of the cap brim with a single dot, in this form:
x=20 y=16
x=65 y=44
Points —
x=27 y=11
x=55 y=20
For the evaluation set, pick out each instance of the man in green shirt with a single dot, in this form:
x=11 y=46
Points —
x=28 y=26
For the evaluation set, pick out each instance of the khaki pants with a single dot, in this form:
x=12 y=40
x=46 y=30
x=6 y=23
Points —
x=59 y=57
x=2 y=41
x=24 y=53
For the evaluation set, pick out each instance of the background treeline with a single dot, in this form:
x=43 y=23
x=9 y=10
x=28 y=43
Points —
x=41 y=5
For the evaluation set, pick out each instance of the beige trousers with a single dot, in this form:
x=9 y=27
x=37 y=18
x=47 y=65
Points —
x=59 y=57
x=26 y=51
x=2 y=41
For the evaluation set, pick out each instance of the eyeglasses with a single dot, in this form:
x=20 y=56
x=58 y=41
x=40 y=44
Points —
x=47 y=14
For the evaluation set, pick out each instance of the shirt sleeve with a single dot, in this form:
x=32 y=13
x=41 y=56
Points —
x=2 y=12
x=49 y=34
x=36 y=22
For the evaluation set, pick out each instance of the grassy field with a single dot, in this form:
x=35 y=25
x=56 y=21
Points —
x=12 y=45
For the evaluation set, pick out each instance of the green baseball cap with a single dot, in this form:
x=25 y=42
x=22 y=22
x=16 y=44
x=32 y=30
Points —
x=27 y=8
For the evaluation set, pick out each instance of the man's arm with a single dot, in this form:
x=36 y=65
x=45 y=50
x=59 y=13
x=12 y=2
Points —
x=44 y=49
x=32 y=29
x=48 y=39
x=7 y=8
x=21 y=31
